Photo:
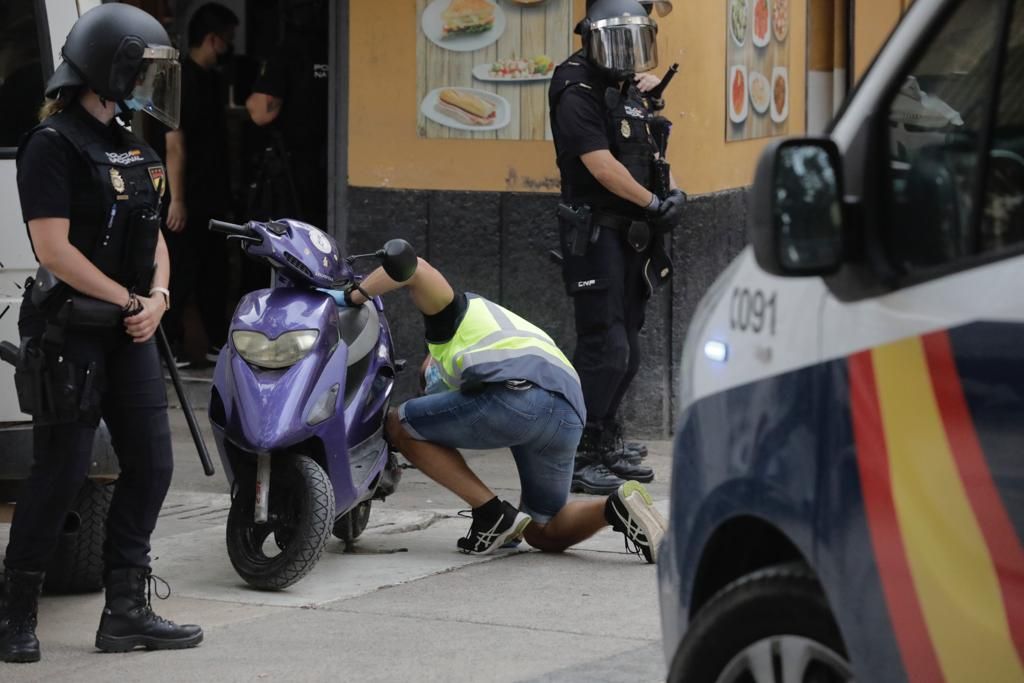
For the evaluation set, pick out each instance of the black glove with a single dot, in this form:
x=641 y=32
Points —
x=667 y=216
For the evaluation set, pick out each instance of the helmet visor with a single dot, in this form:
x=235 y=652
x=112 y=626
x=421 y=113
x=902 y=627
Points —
x=158 y=86
x=623 y=45
x=662 y=7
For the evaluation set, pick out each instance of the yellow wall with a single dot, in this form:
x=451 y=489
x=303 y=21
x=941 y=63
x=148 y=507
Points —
x=873 y=21
x=384 y=150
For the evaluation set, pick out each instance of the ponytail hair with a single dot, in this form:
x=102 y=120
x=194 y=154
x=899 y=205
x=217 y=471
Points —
x=65 y=96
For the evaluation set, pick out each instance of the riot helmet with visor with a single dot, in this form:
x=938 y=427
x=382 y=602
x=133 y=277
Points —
x=124 y=55
x=619 y=36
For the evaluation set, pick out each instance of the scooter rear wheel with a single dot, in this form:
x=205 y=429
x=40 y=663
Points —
x=276 y=554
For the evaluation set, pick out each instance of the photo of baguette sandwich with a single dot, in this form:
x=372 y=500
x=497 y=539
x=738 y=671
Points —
x=467 y=17
x=466 y=108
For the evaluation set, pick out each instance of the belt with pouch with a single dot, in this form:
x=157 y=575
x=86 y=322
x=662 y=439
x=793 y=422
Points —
x=636 y=233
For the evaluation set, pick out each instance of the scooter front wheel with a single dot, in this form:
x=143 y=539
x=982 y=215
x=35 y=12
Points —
x=277 y=553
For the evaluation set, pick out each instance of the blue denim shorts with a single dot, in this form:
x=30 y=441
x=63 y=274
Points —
x=539 y=426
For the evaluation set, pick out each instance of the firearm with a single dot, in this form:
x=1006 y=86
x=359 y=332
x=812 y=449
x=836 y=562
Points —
x=661 y=128
x=657 y=103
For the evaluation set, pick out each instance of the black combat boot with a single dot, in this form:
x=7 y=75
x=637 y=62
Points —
x=615 y=460
x=589 y=473
x=18 y=642
x=633 y=451
x=128 y=620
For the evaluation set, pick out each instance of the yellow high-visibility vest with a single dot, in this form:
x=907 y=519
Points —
x=493 y=344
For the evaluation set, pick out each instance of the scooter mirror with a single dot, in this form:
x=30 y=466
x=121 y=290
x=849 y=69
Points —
x=399 y=260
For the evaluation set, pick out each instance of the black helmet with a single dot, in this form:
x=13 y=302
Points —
x=664 y=7
x=619 y=36
x=124 y=55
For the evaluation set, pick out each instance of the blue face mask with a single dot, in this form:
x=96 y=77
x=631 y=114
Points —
x=131 y=105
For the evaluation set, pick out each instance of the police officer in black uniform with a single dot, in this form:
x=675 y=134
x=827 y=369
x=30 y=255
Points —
x=612 y=224
x=90 y=194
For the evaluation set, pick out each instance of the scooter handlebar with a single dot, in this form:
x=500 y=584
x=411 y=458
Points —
x=229 y=228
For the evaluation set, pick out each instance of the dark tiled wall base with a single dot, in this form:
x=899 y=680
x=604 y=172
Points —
x=496 y=244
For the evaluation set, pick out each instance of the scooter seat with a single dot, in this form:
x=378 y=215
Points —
x=359 y=327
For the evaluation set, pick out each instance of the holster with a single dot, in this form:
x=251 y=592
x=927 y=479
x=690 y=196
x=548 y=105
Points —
x=52 y=389
x=577 y=228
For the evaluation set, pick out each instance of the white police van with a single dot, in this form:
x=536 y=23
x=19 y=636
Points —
x=31 y=35
x=848 y=483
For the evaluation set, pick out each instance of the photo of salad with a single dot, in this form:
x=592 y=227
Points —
x=522 y=68
x=516 y=69
x=738 y=13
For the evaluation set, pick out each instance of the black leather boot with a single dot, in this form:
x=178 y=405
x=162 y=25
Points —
x=18 y=642
x=128 y=620
x=589 y=472
x=632 y=451
x=615 y=460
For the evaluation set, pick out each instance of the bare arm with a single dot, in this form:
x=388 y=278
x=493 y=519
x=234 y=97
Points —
x=162 y=274
x=429 y=290
x=56 y=253
x=176 y=214
x=263 y=108
x=614 y=177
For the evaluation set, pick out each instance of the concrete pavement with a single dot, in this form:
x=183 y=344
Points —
x=405 y=606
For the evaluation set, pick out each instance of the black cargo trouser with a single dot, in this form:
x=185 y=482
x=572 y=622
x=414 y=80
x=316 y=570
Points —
x=609 y=297
x=134 y=406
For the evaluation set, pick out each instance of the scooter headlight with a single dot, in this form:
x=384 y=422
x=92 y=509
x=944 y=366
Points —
x=288 y=349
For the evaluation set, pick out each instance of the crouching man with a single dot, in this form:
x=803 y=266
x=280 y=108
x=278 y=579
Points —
x=497 y=381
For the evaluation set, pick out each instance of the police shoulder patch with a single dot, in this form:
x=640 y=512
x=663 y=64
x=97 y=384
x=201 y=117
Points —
x=156 y=176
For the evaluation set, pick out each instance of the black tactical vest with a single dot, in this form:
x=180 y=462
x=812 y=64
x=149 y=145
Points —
x=629 y=136
x=115 y=212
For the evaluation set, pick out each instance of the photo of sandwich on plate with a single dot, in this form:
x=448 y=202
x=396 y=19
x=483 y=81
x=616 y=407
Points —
x=466 y=108
x=467 y=17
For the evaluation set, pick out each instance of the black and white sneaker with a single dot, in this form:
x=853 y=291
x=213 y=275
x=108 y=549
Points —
x=487 y=535
x=631 y=512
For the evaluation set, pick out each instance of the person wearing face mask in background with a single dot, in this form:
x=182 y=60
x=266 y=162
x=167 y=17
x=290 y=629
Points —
x=199 y=178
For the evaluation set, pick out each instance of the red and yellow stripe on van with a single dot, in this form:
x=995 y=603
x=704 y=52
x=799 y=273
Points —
x=951 y=564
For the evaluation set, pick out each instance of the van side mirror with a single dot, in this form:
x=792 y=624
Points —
x=797 y=221
x=399 y=260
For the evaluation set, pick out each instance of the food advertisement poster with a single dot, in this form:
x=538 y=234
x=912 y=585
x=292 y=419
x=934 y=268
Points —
x=484 y=66
x=757 y=69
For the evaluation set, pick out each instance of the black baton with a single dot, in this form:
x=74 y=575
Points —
x=186 y=405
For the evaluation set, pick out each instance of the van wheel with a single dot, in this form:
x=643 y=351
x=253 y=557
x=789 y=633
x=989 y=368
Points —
x=276 y=554
x=77 y=563
x=772 y=625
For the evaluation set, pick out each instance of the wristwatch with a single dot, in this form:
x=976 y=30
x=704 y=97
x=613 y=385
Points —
x=167 y=296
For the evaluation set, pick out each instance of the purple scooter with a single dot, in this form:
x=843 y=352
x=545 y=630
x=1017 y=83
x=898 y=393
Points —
x=300 y=393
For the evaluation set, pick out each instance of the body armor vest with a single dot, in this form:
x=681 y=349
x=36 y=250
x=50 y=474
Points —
x=115 y=213
x=627 y=115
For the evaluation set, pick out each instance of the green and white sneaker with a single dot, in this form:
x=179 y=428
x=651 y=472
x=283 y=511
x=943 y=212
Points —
x=631 y=512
